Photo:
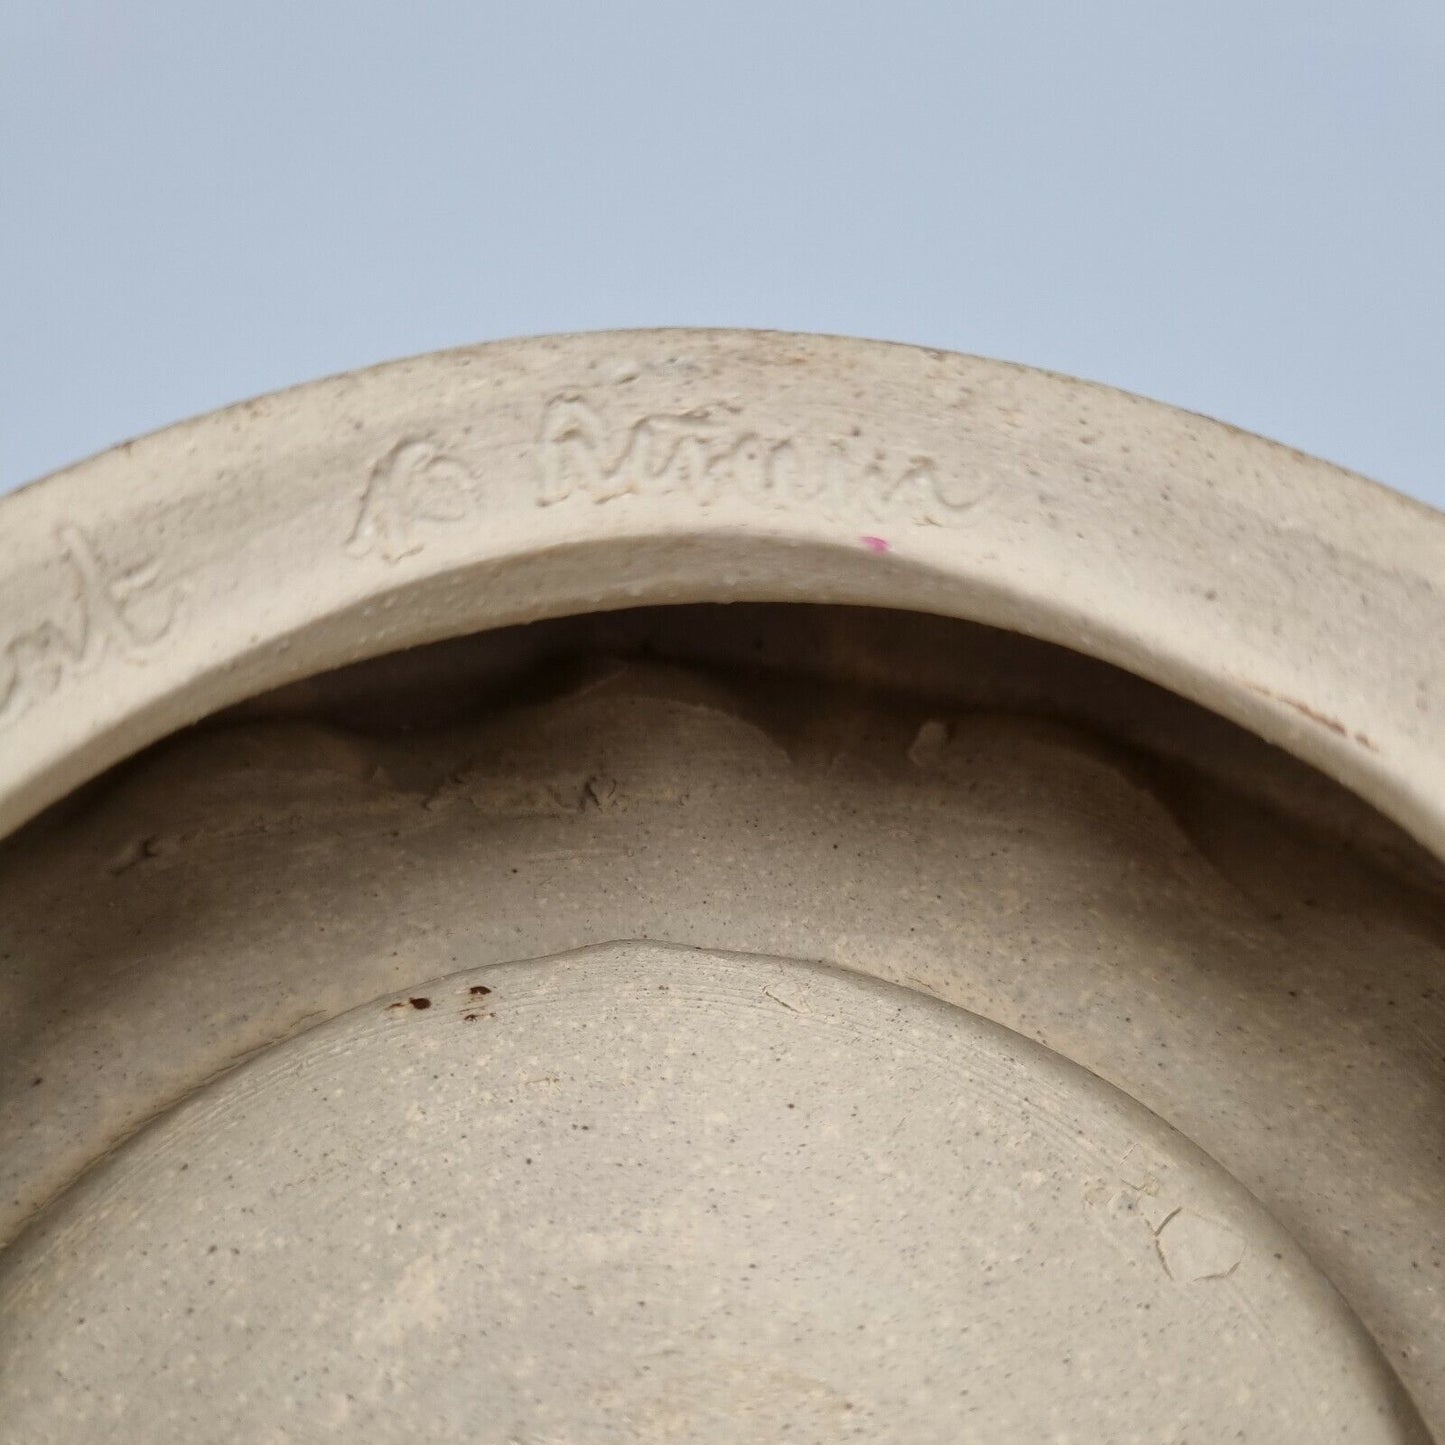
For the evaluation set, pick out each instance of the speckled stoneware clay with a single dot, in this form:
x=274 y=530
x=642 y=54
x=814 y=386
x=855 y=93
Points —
x=985 y=982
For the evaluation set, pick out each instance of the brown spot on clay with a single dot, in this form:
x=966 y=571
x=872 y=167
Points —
x=1334 y=724
x=1315 y=716
x=36 y=1082
x=479 y=990
x=395 y=1005
x=469 y=1018
x=419 y=1002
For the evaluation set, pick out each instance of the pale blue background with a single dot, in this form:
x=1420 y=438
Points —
x=1235 y=205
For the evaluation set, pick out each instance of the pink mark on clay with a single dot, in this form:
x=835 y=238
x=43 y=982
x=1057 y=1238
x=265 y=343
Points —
x=875 y=544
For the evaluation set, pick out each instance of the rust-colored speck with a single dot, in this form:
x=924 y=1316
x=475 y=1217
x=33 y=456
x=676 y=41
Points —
x=419 y=1002
x=1323 y=719
x=1315 y=716
x=479 y=990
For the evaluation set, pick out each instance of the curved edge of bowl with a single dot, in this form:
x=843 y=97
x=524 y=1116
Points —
x=173 y=575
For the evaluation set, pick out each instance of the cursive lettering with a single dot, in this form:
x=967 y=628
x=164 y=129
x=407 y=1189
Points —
x=120 y=613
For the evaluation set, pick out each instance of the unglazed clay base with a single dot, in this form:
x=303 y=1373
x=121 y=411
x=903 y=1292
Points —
x=648 y=1193
x=985 y=982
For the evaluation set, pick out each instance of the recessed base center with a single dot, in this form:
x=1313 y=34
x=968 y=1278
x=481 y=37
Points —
x=645 y=1193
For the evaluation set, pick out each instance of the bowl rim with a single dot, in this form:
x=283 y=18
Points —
x=173 y=575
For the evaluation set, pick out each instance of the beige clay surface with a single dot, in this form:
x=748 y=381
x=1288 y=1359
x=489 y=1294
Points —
x=885 y=1026
x=1259 y=984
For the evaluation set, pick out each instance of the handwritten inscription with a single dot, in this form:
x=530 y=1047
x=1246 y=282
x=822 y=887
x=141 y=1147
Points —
x=111 y=612
x=707 y=455
x=711 y=453
x=414 y=482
